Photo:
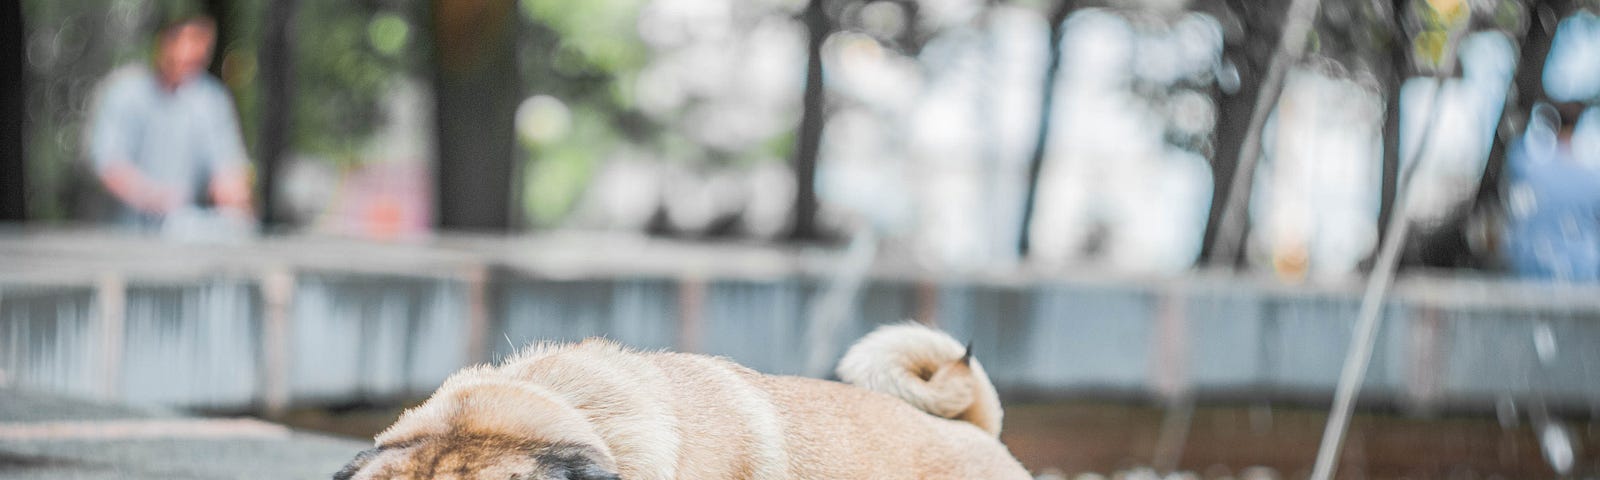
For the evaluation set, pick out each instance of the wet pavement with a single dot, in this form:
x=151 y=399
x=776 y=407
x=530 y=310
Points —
x=1260 y=441
x=49 y=437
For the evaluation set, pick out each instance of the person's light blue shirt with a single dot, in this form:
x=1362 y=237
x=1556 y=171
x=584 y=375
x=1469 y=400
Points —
x=177 y=139
x=1554 y=200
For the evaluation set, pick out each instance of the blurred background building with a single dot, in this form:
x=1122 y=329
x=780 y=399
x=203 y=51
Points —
x=390 y=119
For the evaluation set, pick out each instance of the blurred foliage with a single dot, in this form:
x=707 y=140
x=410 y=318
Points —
x=70 y=45
x=585 y=55
x=1441 y=19
x=1508 y=16
x=1354 y=35
x=593 y=34
x=388 y=33
x=240 y=49
x=588 y=55
x=347 y=54
x=559 y=171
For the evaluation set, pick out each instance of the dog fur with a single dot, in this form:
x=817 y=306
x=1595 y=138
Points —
x=920 y=408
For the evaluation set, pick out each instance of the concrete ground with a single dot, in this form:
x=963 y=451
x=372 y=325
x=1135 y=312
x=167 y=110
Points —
x=1225 y=441
x=55 y=438
x=49 y=437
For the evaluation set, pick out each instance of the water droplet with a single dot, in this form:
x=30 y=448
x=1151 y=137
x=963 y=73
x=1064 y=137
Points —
x=1218 y=471
x=1228 y=77
x=1141 y=473
x=1569 y=228
x=1522 y=199
x=1557 y=447
x=1544 y=343
x=1259 y=473
x=1505 y=409
x=1054 y=474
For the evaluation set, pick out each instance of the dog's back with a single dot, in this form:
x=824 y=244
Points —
x=601 y=408
x=734 y=422
x=838 y=431
x=711 y=418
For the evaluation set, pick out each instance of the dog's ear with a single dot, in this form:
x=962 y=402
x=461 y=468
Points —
x=576 y=462
x=361 y=460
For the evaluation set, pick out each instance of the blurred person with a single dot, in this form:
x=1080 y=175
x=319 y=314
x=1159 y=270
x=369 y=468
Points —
x=164 y=133
x=1554 y=200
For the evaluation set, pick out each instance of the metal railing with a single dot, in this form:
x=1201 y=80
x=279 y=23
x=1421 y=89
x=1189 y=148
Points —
x=289 y=321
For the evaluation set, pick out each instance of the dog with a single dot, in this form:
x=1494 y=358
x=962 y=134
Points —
x=915 y=405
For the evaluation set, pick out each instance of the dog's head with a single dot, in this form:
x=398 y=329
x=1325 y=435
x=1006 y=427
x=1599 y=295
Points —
x=478 y=426
x=474 y=457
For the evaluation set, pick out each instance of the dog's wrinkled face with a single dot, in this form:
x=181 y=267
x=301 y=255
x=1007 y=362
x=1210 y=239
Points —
x=475 y=457
x=483 y=425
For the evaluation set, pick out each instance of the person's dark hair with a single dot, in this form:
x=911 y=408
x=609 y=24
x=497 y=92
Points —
x=171 y=24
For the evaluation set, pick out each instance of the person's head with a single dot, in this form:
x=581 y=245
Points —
x=183 y=48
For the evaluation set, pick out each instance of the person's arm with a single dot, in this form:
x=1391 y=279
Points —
x=131 y=187
x=110 y=132
x=230 y=165
x=230 y=189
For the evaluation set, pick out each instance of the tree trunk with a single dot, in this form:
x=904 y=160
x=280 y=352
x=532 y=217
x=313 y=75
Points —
x=1233 y=121
x=1389 y=181
x=1250 y=54
x=1047 y=100
x=13 y=162
x=808 y=141
x=222 y=12
x=277 y=100
x=476 y=93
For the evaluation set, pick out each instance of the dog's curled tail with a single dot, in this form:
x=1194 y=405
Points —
x=926 y=368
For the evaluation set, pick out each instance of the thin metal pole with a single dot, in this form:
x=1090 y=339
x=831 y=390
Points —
x=813 y=116
x=1179 y=413
x=832 y=306
x=1359 y=356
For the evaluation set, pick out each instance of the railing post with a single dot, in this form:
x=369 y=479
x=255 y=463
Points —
x=111 y=292
x=926 y=309
x=1170 y=376
x=477 y=280
x=1426 y=360
x=277 y=297
x=691 y=312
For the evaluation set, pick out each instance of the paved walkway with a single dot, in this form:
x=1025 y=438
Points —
x=1227 y=440
x=55 y=438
